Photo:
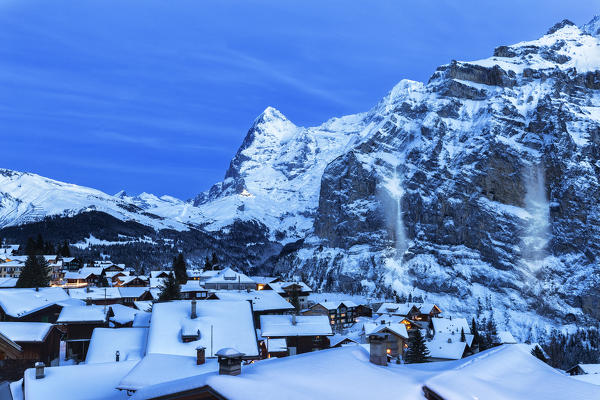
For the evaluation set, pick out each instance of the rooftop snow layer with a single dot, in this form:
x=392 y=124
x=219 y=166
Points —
x=305 y=325
x=20 y=302
x=25 y=331
x=105 y=342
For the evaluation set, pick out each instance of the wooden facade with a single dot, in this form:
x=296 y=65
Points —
x=13 y=361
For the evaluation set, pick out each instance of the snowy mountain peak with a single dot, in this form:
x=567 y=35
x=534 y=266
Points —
x=559 y=25
x=592 y=27
x=121 y=194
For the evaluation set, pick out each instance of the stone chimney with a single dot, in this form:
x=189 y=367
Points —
x=230 y=361
x=39 y=370
x=117 y=356
x=377 y=350
x=194 y=314
x=200 y=355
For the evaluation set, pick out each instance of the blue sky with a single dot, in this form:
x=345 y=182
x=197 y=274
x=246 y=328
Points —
x=157 y=95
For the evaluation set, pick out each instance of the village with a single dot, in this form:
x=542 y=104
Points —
x=101 y=329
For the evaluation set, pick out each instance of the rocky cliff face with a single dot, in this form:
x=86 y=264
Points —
x=481 y=183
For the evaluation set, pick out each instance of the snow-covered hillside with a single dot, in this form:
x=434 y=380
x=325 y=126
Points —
x=26 y=198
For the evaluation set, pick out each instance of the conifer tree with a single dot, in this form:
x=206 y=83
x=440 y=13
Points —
x=207 y=264
x=169 y=290
x=34 y=273
x=214 y=261
x=538 y=353
x=463 y=338
x=417 y=351
x=180 y=269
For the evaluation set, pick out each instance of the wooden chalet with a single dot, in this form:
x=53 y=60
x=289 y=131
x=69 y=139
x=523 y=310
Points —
x=132 y=281
x=78 y=324
x=22 y=344
x=303 y=334
x=341 y=314
x=288 y=290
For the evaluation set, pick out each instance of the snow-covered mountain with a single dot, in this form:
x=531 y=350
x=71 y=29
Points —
x=481 y=184
x=26 y=198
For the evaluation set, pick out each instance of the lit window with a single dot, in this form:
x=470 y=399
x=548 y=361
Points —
x=389 y=351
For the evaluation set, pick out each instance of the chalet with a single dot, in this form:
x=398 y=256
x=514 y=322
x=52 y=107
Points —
x=412 y=311
x=194 y=274
x=160 y=274
x=288 y=290
x=303 y=333
x=505 y=337
x=129 y=295
x=448 y=347
x=262 y=281
x=584 y=369
x=363 y=310
x=22 y=344
x=113 y=277
x=393 y=334
x=84 y=277
x=341 y=340
x=72 y=263
x=132 y=281
x=123 y=316
x=179 y=327
x=32 y=305
x=112 y=268
x=194 y=290
x=264 y=302
x=78 y=323
x=228 y=279
x=11 y=269
x=341 y=314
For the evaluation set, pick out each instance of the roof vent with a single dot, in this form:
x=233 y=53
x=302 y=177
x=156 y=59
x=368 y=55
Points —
x=230 y=361
x=39 y=370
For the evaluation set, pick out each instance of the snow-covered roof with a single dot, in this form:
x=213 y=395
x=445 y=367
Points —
x=404 y=308
x=123 y=314
x=446 y=346
x=228 y=275
x=133 y=292
x=142 y=320
x=87 y=271
x=145 y=305
x=337 y=339
x=229 y=352
x=155 y=274
x=20 y=302
x=8 y=282
x=279 y=286
x=334 y=305
x=393 y=327
x=129 y=278
x=594 y=379
x=159 y=368
x=25 y=331
x=192 y=286
x=194 y=273
x=157 y=282
x=262 y=300
x=590 y=368
x=105 y=342
x=263 y=279
x=505 y=337
x=77 y=382
x=83 y=314
x=446 y=325
x=95 y=293
x=231 y=321
x=502 y=373
x=305 y=325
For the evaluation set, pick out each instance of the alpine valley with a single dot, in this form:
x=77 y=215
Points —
x=479 y=186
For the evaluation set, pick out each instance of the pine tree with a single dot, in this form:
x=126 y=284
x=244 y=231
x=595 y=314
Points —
x=169 y=290
x=463 y=338
x=294 y=300
x=207 y=264
x=31 y=248
x=34 y=273
x=180 y=269
x=65 y=250
x=417 y=351
x=475 y=333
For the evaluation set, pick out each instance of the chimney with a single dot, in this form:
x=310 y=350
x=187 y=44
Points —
x=39 y=370
x=194 y=315
x=117 y=356
x=377 y=350
x=200 y=355
x=294 y=319
x=230 y=361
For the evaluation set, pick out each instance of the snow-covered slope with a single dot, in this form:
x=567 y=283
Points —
x=26 y=197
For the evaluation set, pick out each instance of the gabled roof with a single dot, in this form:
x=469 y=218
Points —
x=446 y=325
x=447 y=347
x=262 y=300
x=334 y=305
x=83 y=314
x=231 y=321
x=229 y=276
x=398 y=329
x=25 y=331
x=105 y=342
x=8 y=282
x=337 y=339
x=590 y=368
x=20 y=302
x=305 y=325
x=505 y=337
x=95 y=293
x=279 y=287
x=158 y=274
x=123 y=314
x=133 y=291
x=405 y=308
